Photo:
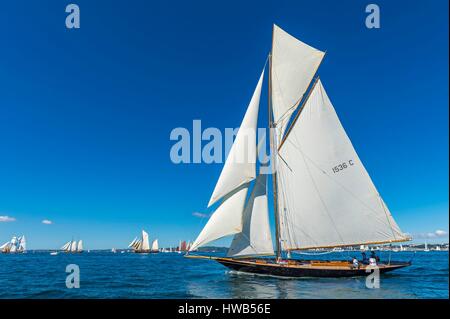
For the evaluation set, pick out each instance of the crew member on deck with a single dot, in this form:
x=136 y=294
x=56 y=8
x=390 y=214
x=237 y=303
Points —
x=355 y=263
x=373 y=255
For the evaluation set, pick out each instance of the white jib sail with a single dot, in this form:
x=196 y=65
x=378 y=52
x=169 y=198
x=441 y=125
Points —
x=66 y=246
x=133 y=242
x=294 y=64
x=145 y=242
x=255 y=238
x=325 y=195
x=73 y=246
x=80 y=246
x=226 y=220
x=5 y=246
x=240 y=166
x=155 y=246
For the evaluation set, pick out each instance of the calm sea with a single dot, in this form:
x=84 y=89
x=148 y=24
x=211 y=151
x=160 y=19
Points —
x=169 y=275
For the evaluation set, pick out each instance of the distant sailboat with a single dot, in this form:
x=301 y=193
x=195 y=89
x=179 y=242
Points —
x=73 y=247
x=323 y=195
x=14 y=246
x=426 y=247
x=141 y=246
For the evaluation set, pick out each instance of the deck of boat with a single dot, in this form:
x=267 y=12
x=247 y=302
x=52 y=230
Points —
x=302 y=268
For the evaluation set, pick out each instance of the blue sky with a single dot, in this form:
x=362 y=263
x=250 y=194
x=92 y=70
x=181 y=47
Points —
x=85 y=115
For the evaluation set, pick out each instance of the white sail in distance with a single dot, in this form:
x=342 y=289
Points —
x=155 y=246
x=73 y=246
x=66 y=246
x=145 y=243
x=133 y=242
x=294 y=64
x=325 y=195
x=80 y=246
x=240 y=165
x=255 y=238
x=22 y=244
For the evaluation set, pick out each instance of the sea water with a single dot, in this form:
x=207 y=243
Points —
x=169 y=275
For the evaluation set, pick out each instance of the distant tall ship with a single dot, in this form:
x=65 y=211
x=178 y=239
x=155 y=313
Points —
x=73 y=247
x=323 y=196
x=16 y=245
x=142 y=245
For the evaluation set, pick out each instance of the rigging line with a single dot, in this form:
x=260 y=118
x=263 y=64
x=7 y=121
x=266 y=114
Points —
x=339 y=184
x=387 y=218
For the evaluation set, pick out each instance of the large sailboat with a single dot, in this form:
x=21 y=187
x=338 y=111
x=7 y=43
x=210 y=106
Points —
x=323 y=196
x=73 y=247
x=15 y=245
x=141 y=245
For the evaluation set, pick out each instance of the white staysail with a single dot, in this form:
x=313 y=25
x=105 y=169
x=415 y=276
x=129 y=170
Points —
x=226 y=220
x=240 y=166
x=155 y=246
x=145 y=243
x=255 y=238
x=80 y=246
x=325 y=195
x=294 y=64
x=73 y=246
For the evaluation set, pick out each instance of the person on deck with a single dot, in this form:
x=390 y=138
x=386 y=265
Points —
x=355 y=263
x=374 y=255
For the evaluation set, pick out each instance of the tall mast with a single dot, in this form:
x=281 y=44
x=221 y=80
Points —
x=273 y=149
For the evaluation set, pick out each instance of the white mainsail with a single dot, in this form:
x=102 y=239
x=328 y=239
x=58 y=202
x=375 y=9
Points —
x=325 y=196
x=226 y=220
x=294 y=64
x=80 y=246
x=255 y=238
x=145 y=243
x=240 y=166
x=155 y=245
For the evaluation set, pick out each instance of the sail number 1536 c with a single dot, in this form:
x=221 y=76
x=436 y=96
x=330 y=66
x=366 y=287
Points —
x=342 y=166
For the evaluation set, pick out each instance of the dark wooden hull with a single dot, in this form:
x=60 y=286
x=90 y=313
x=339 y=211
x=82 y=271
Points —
x=304 y=268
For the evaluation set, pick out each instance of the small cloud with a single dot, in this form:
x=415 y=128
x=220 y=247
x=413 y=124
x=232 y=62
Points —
x=436 y=234
x=200 y=215
x=6 y=219
x=47 y=222
x=441 y=233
